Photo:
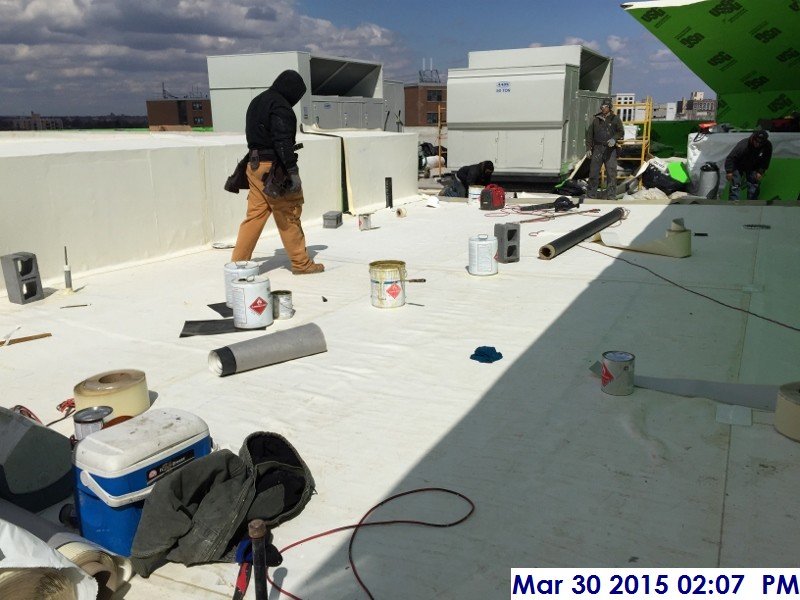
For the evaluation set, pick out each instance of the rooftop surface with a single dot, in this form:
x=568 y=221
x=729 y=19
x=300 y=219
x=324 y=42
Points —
x=561 y=474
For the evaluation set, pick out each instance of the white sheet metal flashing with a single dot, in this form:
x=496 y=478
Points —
x=562 y=474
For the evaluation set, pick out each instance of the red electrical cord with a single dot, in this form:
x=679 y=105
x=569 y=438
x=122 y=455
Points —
x=361 y=524
x=67 y=407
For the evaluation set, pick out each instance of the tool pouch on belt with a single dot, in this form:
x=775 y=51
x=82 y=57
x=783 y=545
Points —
x=276 y=181
x=277 y=184
x=254 y=159
x=238 y=179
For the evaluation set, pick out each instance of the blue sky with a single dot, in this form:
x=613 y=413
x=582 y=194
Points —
x=83 y=57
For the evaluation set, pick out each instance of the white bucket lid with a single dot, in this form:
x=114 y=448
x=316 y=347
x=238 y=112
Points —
x=155 y=432
x=242 y=265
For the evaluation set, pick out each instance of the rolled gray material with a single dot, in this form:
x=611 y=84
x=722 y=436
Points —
x=40 y=527
x=267 y=350
x=110 y=570
x=567 y=241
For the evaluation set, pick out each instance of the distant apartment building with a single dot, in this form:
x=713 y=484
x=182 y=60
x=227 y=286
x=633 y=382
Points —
x=426 y=100
x=624 y=105
x=36 y=122
x=697 y=108
x=191 y=112
x=622 y=102
x=665 y=111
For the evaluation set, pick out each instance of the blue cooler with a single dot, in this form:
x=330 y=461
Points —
x=116 y=468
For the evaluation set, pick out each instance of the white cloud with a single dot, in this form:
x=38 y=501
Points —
x=663 y=60
x=124 y=49
x=535 y=45
x=616 y=43
x=571 y=41
x=662 y=55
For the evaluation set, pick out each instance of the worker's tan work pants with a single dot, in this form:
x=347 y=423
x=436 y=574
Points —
x=287 y=211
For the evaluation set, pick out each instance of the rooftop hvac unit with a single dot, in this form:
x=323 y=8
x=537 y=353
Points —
x=526 y=110
x=342 y=92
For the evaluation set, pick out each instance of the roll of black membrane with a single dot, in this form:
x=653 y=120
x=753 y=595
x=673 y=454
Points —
x=567 y=241
x=267 y=350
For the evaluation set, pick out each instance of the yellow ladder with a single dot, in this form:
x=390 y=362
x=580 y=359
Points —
x=641 y=114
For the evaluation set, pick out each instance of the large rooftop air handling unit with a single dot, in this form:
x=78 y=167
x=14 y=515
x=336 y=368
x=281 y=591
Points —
x=342 y=92
x=526 y=110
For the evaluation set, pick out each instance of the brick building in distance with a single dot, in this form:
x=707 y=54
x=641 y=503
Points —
x=173 y=112
x=424 y=99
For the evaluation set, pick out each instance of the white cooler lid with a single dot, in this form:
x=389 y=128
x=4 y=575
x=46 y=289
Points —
x=110 y=451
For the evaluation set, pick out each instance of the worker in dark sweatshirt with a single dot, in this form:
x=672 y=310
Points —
x=478 y=174
x=270 y=129
x=748 y=161
x=602 y=136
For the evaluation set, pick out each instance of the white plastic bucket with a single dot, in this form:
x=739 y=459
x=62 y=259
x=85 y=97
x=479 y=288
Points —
x=365 y=222
x=474 y=195
x=236 y=270
x=482 y=255
x=388 y=283
x=252 y=302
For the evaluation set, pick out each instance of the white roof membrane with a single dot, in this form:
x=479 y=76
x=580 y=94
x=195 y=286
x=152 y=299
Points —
x=561 y=473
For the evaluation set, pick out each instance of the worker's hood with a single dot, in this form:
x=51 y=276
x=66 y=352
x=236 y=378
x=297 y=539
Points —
x=290 y=85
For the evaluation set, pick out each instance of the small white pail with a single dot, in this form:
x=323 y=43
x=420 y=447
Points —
x=235 y=270
x=365 y=222
x=252 y=302
x=482 y=255
x=474 y=195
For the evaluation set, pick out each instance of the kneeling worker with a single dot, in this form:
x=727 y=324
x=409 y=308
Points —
x=479 y=174
x=748 y=160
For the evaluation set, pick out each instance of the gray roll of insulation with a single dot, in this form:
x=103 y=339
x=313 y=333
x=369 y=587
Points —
x=267 y=350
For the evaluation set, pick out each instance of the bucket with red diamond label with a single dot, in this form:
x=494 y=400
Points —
x=616 y=377
x=388 y=281
x=252 y=302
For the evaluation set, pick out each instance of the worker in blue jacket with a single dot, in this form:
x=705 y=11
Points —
x=748 y=161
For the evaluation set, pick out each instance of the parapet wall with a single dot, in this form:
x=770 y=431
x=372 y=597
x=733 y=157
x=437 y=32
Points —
x=122 y=198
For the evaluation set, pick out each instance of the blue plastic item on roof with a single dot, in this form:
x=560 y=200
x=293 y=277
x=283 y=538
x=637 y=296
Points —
x=486 y=354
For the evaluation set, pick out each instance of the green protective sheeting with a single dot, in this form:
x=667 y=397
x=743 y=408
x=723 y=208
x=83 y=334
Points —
x=668 y=138
x=677 y=170
x=747 y=51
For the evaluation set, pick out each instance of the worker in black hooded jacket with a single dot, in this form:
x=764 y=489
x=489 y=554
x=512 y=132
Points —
x=478 y=174
x=748 y=161
x=602 y=137
x=270 y=128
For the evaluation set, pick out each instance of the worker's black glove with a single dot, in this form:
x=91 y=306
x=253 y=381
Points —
x=295 y=184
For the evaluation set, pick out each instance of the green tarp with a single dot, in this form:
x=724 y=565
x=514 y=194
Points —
x=747 y=51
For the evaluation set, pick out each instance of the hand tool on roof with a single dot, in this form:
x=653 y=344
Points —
x=257 y=530
x=10 y=333
x=561 y=204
